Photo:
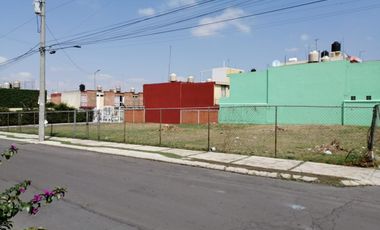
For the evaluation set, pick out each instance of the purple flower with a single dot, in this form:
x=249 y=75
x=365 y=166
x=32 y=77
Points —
x=47 y=192
x=13 y=147
x=37 y=198
x=22 y=189
x=34 y=211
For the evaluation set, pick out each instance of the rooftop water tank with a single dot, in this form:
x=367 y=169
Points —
x=173 y=77
x=313 y=56
x=190 y=79
x=325 y=53
x=118 y=89
x=82 y=87
x=99 y=88
x=335 y=47
x=276 y=63
x=7 y=85
x=325 y=59
x=16 y=85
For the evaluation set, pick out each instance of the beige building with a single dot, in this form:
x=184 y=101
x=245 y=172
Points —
x=92 y=99
x=222 y=81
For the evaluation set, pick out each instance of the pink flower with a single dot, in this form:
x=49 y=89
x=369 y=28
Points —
x=47 y=192
x=34 y=211
x=22 y=189
x=13 y=147
x=37 y=198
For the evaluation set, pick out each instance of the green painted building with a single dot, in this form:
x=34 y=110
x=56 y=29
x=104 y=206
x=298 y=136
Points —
x=336 y=92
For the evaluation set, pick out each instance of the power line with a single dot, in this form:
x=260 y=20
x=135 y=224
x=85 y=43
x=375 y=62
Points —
x=32 y=18
x=66 y=54
x=96 y=36
x=131 y=36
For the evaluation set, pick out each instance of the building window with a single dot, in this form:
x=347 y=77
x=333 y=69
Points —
x=368 y=98
x=224 y=91
x=353 y=98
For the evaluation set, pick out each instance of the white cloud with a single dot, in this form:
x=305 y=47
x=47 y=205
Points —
x=20 y=76
x=177 y=3
x=213 y=29
x=293 y=49
x=305 y=37
x=147 y=11
x=3 y=59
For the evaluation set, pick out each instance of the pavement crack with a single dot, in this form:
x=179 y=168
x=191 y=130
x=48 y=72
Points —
x=115 y=219
x=330 y=218
x=296 y=166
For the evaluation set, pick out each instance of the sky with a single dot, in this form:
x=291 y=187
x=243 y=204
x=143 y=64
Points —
x=251 y=42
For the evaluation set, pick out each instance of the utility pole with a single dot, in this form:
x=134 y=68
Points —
x=40 y=9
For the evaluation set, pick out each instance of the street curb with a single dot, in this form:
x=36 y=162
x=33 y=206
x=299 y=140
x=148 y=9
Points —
x=139 y=154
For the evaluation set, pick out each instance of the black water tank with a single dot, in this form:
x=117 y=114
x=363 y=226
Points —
x=253 y=70
x=325 y=53
x=335 y=47
x=82 y=87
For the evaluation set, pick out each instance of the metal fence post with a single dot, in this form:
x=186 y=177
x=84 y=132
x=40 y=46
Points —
x=98 y=124
x=342 y=114
x=160 y=140
x=199 y=122
x=51 y=126
x=74 y=123
x=51 y=129
x=8 y=122
x=124 y=125
x=208 y=129
x=133 y=116
x=34 y=118
x=275 y=132
x=125 y=131
x=87 y=127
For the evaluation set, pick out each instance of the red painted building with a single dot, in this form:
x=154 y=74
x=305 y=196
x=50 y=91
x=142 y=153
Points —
x=165 y=101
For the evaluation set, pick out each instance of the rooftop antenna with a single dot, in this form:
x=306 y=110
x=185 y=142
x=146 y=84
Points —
x=316 y=43
x=361 y=54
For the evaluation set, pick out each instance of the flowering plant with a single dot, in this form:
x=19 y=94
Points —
x=7 y=154
x=11 y=203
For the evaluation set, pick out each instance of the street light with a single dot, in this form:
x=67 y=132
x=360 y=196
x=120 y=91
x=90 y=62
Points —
x=97 y=71
x=53 y=51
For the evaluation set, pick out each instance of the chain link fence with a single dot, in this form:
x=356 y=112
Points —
x=332 y=134
x=374 y=133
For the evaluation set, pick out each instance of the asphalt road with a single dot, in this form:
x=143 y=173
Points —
x=112 y=192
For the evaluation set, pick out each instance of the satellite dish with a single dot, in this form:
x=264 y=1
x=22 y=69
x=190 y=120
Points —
x=276 y=63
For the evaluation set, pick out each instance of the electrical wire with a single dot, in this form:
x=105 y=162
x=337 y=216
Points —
x=133 y=36
x=161 y=24
x=32 y=18
x=66 y=54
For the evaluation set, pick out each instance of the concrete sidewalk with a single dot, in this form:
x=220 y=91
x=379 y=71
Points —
x=250 y=165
